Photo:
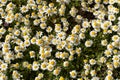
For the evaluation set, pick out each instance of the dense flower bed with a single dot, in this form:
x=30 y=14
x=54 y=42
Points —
x=59 y=40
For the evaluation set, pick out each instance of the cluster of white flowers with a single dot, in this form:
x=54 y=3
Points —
x=49 y=40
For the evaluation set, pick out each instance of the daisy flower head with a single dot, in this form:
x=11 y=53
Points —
x=71 y=58
x=115 y=51
x=85 y=24
x=34 y=15
x=26 y=22
x=116 y=58
x=39 y=42
x=10 y=6
x=63 y=55
x=33 y=40
x=8 y=19
x=59 y=47
x=36 y=22
x=116 y=64
x=5 y=50
x=112 y=1
x=19 y=55
x=61 y=78
x=61 y=35
x=76 y=29
x=27 y=43
x=44 y=65
x=93 y=73
x=105 y=1
x=62 y=10
x=32 y=54
x=111 y=17
x=78 y=50
x=88 y=43
x=49 y=29
x=102 y=59
x=73 y=74
x=16 y=74
x=35 y=67
x=116 y=45
x=104 y=42
x=78 y=17
x=31 y=2
x=66 y=24
x=43 y=25
x=115 y=38
x=4 y=66
x=83 y=30
x=37 y=78
x=57 y=71
x=109 y=72
x=49 y=12
x=87 y=66
x=43 y=19
x=107 y=53
x=24 y=9
x=3 y=1
x=109 y=77
x=105 y=25
x=52 y=62
x=101 y=16
x=110 y=66
x=57 y=54
x=72 y=38
x=96 y=6
x=115 y=28
x=3 y=77
x=38 y=1
x=47 y=53
x=6 y=45
x=24 y=64
x=93 y=33
x=17 y=32
x=110 y=47
x=96 y=23
x=2 y=30
x=92 y=61
x=50 y=67
x=86 y=72
x=73 y=11
x=58 y=27
x=51 y=5
x=82 y=36
x=66 y=64
x=40 y=75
